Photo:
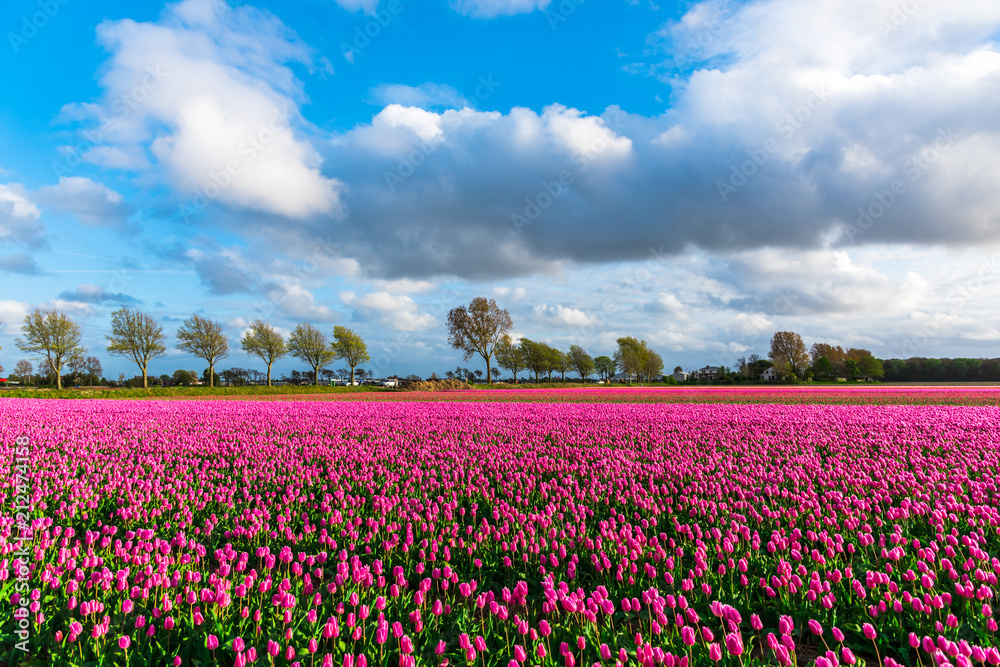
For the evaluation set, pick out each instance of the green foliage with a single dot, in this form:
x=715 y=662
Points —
x=350 y=347
x=184 y=391
x=52 y=335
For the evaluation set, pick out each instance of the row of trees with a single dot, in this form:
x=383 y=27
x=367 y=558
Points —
x=790 y=356
x=483 y=328
x=920 y=369
x=633 y=358
x=85 y=369
x=137 y=336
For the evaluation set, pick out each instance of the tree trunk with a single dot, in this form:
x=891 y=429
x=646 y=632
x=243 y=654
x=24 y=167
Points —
x=316 y=376
x=352 y=376
x=269 y=375
x=211 y=375
x=488 y=369
x=58 y=370
x=145 y=384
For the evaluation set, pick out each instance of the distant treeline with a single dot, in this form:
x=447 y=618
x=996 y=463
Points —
x=919 y=369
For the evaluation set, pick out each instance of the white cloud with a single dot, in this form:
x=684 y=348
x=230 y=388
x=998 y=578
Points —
x=562 y=315
x=425 y=125
x=513 y=296
x=828 y=281
x=585 y=136
x=12 y=315
x=488 y=9
x=405 y=285
x=71 y=308
x=92 y=203
x=398 y=312
x=207 y=94
x=19 y=216
x=298 y=303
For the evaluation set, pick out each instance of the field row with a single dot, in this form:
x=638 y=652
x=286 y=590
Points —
x=357 y=533
x=785 y=395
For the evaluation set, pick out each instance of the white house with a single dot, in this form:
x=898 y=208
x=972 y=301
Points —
x=680 y=376
x=769 y=375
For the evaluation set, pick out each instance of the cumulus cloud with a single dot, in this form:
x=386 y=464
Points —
x=562 y=316
x=12 y=315
x=207 y=95
x=71 y=308
x=19 y=216
x=92 y=203
x=824 y=282
x=392 y=311
x=780 y=134
x=297 y=303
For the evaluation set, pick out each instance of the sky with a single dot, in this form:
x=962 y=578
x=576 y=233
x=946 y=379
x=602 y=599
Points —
x=695 y=174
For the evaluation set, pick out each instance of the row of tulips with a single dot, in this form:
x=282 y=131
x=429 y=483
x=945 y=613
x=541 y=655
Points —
x=851 y=394
x=362 y=533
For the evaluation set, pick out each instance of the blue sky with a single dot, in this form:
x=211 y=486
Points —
x=697 y=174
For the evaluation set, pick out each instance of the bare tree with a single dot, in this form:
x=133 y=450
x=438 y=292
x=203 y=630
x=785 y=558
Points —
x=23 y=370
x=93 y=368
x=262 y=340
x=350 y=347
x=51 y=333
x=478 y=328
x=204 y=339
x=310 y=345
x=136 y=335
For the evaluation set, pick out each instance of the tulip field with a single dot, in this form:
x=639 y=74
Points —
x=811 y=395
x=500 y=533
